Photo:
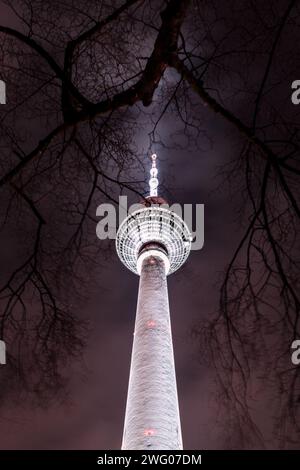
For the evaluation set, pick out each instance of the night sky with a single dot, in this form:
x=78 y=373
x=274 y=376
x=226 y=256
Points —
x=94 y=416
x=91 y=413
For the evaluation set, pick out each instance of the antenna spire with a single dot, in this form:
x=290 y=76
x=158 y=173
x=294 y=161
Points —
x=153 y=182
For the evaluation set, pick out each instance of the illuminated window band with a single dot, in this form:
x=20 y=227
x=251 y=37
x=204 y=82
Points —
x=155 y=253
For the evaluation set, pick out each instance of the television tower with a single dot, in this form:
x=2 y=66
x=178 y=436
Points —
x=153 y=242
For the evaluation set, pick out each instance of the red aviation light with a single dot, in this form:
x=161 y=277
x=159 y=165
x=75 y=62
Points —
x=149 y=432
x=151 y=323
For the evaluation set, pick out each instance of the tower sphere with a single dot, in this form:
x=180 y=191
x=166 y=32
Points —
x=153 y=224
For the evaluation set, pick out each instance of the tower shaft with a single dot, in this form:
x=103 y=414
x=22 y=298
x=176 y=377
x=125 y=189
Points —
x=152 y=418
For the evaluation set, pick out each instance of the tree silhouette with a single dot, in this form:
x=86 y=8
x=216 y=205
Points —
x=80 y=77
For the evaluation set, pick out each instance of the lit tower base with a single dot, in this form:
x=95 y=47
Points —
x=152 y=242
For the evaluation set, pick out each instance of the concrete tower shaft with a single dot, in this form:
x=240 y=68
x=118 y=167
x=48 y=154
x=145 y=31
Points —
x=152 y=416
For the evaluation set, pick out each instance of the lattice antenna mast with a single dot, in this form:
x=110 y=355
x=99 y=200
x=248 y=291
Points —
x=153 y=182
